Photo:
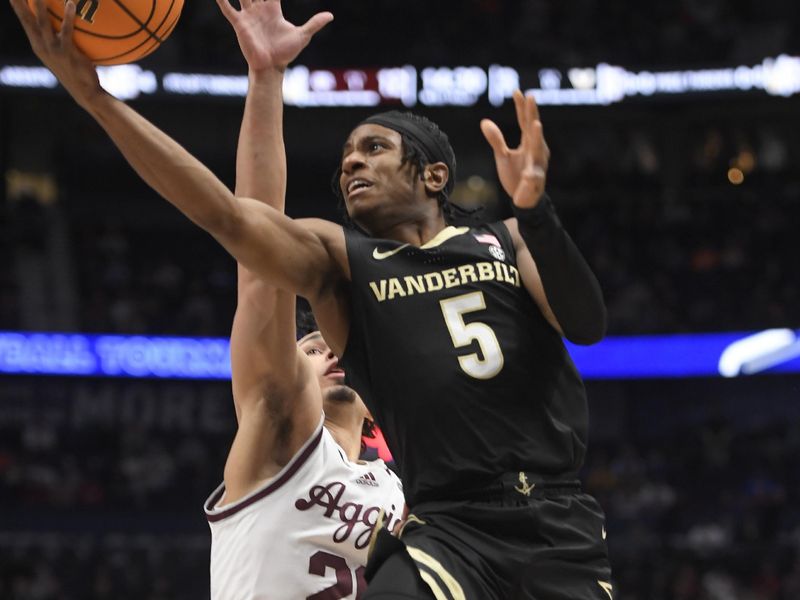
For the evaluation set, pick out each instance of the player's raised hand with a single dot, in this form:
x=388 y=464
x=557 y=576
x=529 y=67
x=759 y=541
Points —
x=57 y=50
x=523 y=170
x=267 y=39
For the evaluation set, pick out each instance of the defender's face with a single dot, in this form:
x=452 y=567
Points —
x=374 y=180
x=336 y=396
x=326 y=363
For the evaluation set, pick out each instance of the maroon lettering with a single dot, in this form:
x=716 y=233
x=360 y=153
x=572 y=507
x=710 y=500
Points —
x=350 y=514
x=361 y=581
x=370 y=517
x=319 y=562
x=321 y=495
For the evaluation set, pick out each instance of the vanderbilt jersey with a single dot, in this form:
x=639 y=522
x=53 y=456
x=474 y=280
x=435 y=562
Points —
x=305 y=532
x=458 y=365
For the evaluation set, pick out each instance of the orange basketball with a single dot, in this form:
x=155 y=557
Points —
x=114 y=32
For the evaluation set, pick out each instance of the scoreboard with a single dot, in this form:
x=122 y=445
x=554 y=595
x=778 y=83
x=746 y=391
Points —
x=459 y=86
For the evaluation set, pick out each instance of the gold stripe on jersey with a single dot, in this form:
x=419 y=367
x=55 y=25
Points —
x=455 y=589
x=444 y=235
x=409 y=519
x=438 y=593
x=606 y=588
x=396 y=287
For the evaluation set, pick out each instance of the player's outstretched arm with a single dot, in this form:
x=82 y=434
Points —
x=255 y=234
x=269 y=43
x=552 y=268
x=278 y=402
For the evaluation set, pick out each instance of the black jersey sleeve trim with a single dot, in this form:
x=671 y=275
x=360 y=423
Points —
x=572 y=290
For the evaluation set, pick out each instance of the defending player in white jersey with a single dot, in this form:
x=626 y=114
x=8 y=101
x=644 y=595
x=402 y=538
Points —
x=295 y=514
x=304 y=531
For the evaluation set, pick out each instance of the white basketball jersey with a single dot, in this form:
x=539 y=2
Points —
x=303 y=534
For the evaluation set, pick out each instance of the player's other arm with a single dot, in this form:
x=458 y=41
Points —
x=558 y=279
x=262 y=338
x=277 y=404
x=552 y=268
x=277 y=398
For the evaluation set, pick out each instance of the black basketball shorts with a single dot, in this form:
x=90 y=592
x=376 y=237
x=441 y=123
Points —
x=543 y=541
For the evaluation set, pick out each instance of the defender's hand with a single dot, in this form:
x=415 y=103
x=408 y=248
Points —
x=523 y=170
x=267 y=40
x=57 y=50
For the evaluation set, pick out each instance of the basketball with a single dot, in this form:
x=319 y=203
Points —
x=114 y=32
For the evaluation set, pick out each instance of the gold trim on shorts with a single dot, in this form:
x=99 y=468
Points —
x=423 y=559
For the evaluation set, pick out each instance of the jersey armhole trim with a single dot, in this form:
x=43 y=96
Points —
x=284 y=476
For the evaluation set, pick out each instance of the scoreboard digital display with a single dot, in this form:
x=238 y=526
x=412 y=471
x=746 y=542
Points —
x=459 y=86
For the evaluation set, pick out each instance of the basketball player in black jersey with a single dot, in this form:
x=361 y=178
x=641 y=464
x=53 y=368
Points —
x=453 y=336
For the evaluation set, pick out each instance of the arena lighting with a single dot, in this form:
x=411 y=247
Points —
x=633 y=357
x=759 y=352
x=409 y=86
x=114 y=356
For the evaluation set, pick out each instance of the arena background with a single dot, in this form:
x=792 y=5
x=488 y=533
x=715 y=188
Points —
x=682 y=191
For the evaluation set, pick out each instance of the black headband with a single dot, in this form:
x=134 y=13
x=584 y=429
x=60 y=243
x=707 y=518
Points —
x=435 y=150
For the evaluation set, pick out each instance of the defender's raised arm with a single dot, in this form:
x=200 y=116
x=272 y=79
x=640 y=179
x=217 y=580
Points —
x=274 y=384
x=255 y=234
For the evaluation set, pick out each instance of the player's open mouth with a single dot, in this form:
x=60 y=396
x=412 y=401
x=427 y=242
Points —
x=356 y=186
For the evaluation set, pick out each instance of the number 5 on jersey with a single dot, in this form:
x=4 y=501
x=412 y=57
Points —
x=463 y=334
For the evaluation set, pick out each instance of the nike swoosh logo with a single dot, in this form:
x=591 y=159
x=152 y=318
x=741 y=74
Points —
x=606 y=588
x=378 y=255
x=604 y=533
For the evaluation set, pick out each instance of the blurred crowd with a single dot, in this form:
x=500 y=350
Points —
x=702 y=506
x=707 y=243
x=710 y=514
x=687 y=213
x=514 y=32
x=85 y=472
x=93 y=566
x=704 y=244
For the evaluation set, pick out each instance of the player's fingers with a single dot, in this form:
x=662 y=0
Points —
x=41 y=22
x=245 y=4
x=531 y=185
x=531 y=109
x=68 y=24
x=317 y=22
x=41 y=15
x=541 y=151
x=495 y=137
